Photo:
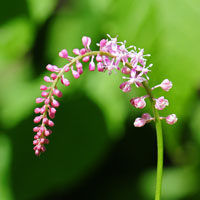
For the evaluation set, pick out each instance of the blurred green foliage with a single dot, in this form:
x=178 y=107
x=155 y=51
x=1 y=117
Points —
x=95 y=117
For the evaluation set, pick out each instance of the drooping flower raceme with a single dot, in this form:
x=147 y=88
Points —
x=111 y=56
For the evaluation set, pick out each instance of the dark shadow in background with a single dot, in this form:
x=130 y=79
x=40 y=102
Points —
x=12 y=9
x=117 y=177
x=77 y=145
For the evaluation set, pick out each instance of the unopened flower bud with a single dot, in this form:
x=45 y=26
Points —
x=55 y=103
x=65 y=81
x=53 y=76
x=92 y=66
x=125 y=87
x=50 y=123
x=37 y=119
x=63 y=53
x=57 y=92
x=86 y=59
x=139 y=122
x=52 y=68
x=166 y=85
x=138 y=102
x=76 y=52
x=100 y=67
x=171 y=119
x=75 y=74
x=146 y=116
x=37 y=110
x=86 y=41
x=126 y=70
x=43 y=87
x=44 y=94
x=161 y=103
x=99 y=58
x=47 y=79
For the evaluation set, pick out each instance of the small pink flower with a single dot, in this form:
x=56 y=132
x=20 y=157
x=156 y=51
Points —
x=53 y=76
x=46 y=141
x=75 y=74
x=36 y=137
x=171 y=119
x=45 y=121
x=37 y=110
x=125 y=86
x=35 y=142
x=83 y=51
x=80 y=70
x=36 y=129
x=86 y=41
x=166 y=85
x=79 y=67
x=50 y=123
x=65 y=81
x=39 y=133
x=99 y=58
x=92 y=65
x=39 y=100
x=139 y=122
x=47 y=79
x=44 y=94
x=53 y=110
x=161 y=103
x=66 y=68
x=47 y=133
x=47 y=101
x=43 y=87
x=37 y=119
x=86 y=59
x=57 y=92
x=147 y=117
x=102 y=43
x=76 y=52
x=42 y=110
x=42 y=140
x=100 y=67
x=37 y=152
x=63 y=53
x=52 y=68
x=43 y=149
x=55 y=103
x=51 y=115
x=138 y=102
x=126 y=70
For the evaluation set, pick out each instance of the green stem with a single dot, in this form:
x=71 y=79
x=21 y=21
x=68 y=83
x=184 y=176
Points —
x=159 y=143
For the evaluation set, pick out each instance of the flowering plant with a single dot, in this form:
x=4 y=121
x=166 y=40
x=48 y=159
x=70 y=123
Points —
x=111 y=56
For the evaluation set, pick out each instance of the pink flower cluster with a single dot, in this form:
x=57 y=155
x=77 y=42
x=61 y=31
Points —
x=160 y=104
x=111 y=53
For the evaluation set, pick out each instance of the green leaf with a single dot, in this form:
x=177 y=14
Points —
x=41 y=10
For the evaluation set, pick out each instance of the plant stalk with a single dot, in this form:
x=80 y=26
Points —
x=159 y=143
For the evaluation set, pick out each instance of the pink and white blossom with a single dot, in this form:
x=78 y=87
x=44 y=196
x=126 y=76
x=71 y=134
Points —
x=171 y=119
x=161 y=103
x=139 y=122
x=166 y=85
x=138 y=102
x=113 y=55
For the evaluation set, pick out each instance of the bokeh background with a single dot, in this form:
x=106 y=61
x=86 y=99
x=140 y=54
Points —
x=95 y=153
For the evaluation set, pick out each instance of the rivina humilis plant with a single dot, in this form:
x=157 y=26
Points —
x=111 y=56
